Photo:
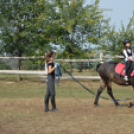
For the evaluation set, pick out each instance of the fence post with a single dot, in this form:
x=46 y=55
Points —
x=101 y=57
x=46 y=69
x=19 y=68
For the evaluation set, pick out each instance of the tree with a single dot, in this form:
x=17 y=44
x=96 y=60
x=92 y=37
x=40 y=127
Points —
x=21 y=34
x=78 y=27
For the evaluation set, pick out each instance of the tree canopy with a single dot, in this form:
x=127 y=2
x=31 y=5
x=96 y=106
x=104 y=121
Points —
x=71 y=28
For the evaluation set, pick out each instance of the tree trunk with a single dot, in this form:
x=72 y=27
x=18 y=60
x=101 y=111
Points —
x=19 y=65
x=70 y=68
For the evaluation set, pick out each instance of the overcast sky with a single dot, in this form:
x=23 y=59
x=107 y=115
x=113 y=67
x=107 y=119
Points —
x=122 y=10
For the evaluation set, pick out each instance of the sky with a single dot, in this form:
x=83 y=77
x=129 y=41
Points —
x=122 y=10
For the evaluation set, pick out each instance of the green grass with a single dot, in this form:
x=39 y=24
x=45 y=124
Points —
x=29 y=87
x=83 y=73
x=67 y=89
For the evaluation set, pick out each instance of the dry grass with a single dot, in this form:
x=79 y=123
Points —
x=26 y=116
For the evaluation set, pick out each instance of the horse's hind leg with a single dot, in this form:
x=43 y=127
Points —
x=102 y=87
x=109 y=91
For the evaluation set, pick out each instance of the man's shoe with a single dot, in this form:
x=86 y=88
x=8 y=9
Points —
x=46 y=110
x=54 y=110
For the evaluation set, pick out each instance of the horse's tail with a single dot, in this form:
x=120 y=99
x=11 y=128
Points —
x=97 y=67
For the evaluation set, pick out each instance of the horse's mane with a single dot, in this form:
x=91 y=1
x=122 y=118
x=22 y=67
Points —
x=113 y=62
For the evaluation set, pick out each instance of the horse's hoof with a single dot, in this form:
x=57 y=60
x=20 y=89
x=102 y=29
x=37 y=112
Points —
x=96 y=105
x=117 y=105
x=130 y=105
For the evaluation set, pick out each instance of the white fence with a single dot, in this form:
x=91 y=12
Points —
x=56 y=60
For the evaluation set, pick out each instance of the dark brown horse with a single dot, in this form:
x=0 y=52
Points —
x=108 y=75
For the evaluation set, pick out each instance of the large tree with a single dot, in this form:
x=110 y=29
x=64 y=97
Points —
x=21 y=34
x=33 y=27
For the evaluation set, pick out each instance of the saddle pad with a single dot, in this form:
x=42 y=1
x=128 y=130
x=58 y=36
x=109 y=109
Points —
x=120 y=69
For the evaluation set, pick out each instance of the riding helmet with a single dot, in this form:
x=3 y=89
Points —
x=126 y=41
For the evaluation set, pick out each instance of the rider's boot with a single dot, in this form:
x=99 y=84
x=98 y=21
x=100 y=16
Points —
x=126 y=78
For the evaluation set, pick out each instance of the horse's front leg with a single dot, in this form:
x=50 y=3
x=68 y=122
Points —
x=109 y=91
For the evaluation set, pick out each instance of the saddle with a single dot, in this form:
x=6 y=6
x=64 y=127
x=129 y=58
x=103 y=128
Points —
x=120 y=69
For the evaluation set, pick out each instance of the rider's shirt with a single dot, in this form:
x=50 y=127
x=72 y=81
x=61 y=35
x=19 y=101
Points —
x=128 y=53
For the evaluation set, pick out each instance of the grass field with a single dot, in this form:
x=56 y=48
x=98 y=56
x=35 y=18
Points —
x=22 y=105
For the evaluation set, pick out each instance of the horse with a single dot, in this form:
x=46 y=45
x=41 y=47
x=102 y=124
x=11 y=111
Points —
x=108 y=75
